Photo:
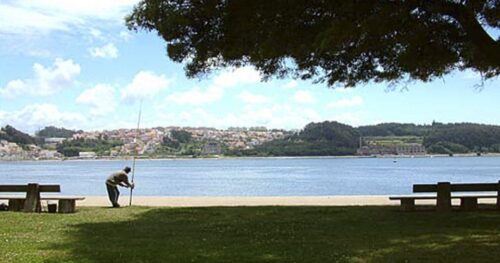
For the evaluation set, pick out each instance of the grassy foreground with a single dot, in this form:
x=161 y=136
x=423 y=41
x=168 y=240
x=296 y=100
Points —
x=250 y=234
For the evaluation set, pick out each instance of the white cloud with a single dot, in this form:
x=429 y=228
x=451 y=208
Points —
x=346 y=103
x=343 y=89
x=251 y=98
x=46 y=80
x=303 y=96
x=96 y=33
x=238 y=76
x=43 y=16
x=107 y=51
x=275 y=116
x=40 y=53
x=351 y=118
x=125 y=35
x=101 y=9
x=470 y=75
x=14 y=88
x=100 y=98
x=291 y=84
x=197 y=96
x=18 y=20
x=36 y=116
x=196 y=117
x=145 y=84
x=215 y=91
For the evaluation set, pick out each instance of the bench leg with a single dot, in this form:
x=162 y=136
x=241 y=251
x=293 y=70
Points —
x=498 y=196
x=67 y=206
x=51 y=208
x=443 y=202
x=32 y=202
x=468 y=203
x=407 y=204
x=16 y=204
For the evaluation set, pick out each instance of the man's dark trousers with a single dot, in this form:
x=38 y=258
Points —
x=113 y=194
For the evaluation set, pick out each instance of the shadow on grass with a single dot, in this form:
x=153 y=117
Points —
x=284 y=234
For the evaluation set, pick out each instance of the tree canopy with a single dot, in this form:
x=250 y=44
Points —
x=394 y=129
x=181 y=136
x=341 y=135
x=316 y=139
x=475 y=137
x=11 y=134
x=101 y=146
x=337 y=41
x=51 y=131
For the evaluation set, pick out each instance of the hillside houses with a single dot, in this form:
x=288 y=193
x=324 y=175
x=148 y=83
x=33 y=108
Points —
x=148 y=140
x=13 y=151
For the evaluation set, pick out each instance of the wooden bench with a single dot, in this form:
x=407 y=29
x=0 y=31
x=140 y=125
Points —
x=443 y=197
x=31 y=202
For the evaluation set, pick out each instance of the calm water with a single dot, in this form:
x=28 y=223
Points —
x=258 y=177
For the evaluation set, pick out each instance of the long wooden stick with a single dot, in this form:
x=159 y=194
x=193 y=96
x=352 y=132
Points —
x=136 y=153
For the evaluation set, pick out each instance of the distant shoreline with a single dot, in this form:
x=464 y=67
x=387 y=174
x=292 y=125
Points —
x=123 y=158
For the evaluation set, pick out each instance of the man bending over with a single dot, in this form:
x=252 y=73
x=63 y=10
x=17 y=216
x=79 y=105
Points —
x=119 y=178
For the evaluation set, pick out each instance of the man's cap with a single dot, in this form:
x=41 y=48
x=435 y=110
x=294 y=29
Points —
x=127 y=169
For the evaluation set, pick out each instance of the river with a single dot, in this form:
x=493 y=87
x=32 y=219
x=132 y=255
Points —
x=257 y=176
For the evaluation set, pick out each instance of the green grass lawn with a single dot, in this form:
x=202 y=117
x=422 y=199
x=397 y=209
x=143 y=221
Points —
x=250 y=234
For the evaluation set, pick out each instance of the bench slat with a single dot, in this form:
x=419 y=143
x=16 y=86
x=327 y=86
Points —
x=474 y=187
x=13 y=188
x=44 y=197
x=54 y=188
x=416 y=197
x=411 y=197
x=428 y=188
x=64 y=198
x=424 y=188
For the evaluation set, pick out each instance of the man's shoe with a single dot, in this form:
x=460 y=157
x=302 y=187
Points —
x=116 y=205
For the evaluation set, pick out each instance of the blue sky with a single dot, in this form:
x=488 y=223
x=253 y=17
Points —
x=75 y=64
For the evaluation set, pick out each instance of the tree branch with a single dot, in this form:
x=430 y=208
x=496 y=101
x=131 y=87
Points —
x=486 y=48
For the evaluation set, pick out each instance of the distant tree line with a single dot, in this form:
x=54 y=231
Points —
x=463 y=137
x=395 y=129
x=11 y=134
x=316 y=139
x=333 y=138
x=443 y=138
x=101 y=146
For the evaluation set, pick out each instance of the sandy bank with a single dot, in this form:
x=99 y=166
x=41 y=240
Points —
x=179 y=201
x=182 y=201
x=207 y=201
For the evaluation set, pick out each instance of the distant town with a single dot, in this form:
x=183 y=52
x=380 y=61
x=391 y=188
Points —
x=144 y=142
x=316 y=139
